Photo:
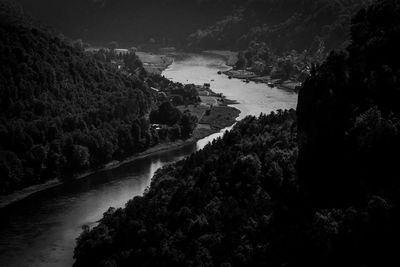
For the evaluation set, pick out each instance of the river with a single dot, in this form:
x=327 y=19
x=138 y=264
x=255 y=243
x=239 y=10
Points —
x=41 y=229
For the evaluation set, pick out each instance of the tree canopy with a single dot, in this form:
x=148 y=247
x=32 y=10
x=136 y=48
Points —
x=315 y=187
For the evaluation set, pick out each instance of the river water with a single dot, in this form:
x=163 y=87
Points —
x=41 y=229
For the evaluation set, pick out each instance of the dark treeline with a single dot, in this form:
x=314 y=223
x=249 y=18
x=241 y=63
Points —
x=349 y=140
x=348 y=113
x=317 y=189
x=63 y=111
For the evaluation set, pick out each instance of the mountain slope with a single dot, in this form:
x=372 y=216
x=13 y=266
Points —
x=126 y=20
x=223 y=24
x=61 y=111
x=348 y=111
x=282 y=25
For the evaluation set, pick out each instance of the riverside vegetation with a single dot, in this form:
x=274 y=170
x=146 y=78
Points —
x=64 y=111
x=316 y=187
x=276 y=38
x=280 y=40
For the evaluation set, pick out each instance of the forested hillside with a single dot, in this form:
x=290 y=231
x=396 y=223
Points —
x=281 y=39
x=283 y=25
x=322 y=191
x=217 y=208
x=225 y=24
x=349 y=113
x=61 y=111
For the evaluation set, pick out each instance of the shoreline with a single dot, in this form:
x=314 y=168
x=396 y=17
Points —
x=247 y=76
x=198 y=134
x=155 y=63
x=19 y=195
x=231 y=58
x=202 y=130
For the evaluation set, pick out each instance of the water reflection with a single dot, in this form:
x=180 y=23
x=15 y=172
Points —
x=41 y=230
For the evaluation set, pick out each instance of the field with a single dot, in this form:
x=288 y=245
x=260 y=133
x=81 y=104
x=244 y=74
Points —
x=220 y=117
x=154 y=63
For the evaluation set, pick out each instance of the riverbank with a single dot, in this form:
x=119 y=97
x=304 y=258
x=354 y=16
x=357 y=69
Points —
x=214 y=114
x=51 y=220
x=154 y=63
x=157 y=62
x=198 y=134
x=231 y=57
x=249 y=76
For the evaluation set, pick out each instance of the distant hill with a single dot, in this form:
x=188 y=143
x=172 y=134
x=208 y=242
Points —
x=222 y=24
x=283 y=25
x=166 y=21
x=61 y=111
x=280 y=39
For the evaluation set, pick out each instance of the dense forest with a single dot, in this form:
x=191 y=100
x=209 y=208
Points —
x=63 y=111
x=213 y=208
x=315 y=187
x=281 y=39
x=283 y=25
x=348 y=113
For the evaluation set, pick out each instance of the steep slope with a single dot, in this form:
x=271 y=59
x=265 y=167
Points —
x=349 y=111
x=244 y=201
x=61 y=111
x=281 y=39
x=217 y=208
x=282 y=25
